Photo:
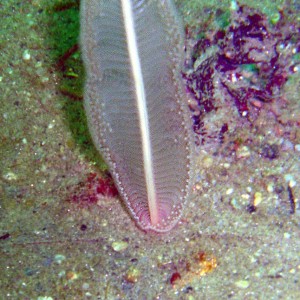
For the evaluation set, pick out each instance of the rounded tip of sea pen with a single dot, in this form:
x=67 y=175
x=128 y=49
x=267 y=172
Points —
x=160 y=224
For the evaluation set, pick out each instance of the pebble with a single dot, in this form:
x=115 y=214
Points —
x=198 y=186
x=292 y=183
x=243 y=152
x=85 y=286
x=132 y=275
x=233 y=5
x=10 y=176
x=70 y=275
x=243 y=284
x=226 y=165
x=229 y=191
x=292 y=271
x=59 y=258
x=257 y=198
x=104 y=223
x=26 y=55
x=275 y=17
x=287 y=146
x=235 y=203
x=270 y=187
x=62 y=274
x=290 y=180
x=51 y=125
x=119 y=246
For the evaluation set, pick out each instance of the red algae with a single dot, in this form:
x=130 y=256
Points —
x=245 y=65
x=92 y=189
x=175 y=277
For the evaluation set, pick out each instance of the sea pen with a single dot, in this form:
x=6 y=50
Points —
x=136 y=106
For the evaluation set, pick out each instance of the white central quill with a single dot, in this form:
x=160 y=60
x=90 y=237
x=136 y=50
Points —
x=142 y=107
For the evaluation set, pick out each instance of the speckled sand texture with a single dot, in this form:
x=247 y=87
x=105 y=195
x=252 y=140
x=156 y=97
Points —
x=52 y=248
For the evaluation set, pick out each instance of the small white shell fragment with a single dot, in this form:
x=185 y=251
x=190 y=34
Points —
x=59 y=258
x=229 y=191
x=243 y=284
x=26 y=55
x=257 y=198
x=119 y=246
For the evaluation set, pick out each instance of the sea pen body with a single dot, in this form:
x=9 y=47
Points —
x=135 y=104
